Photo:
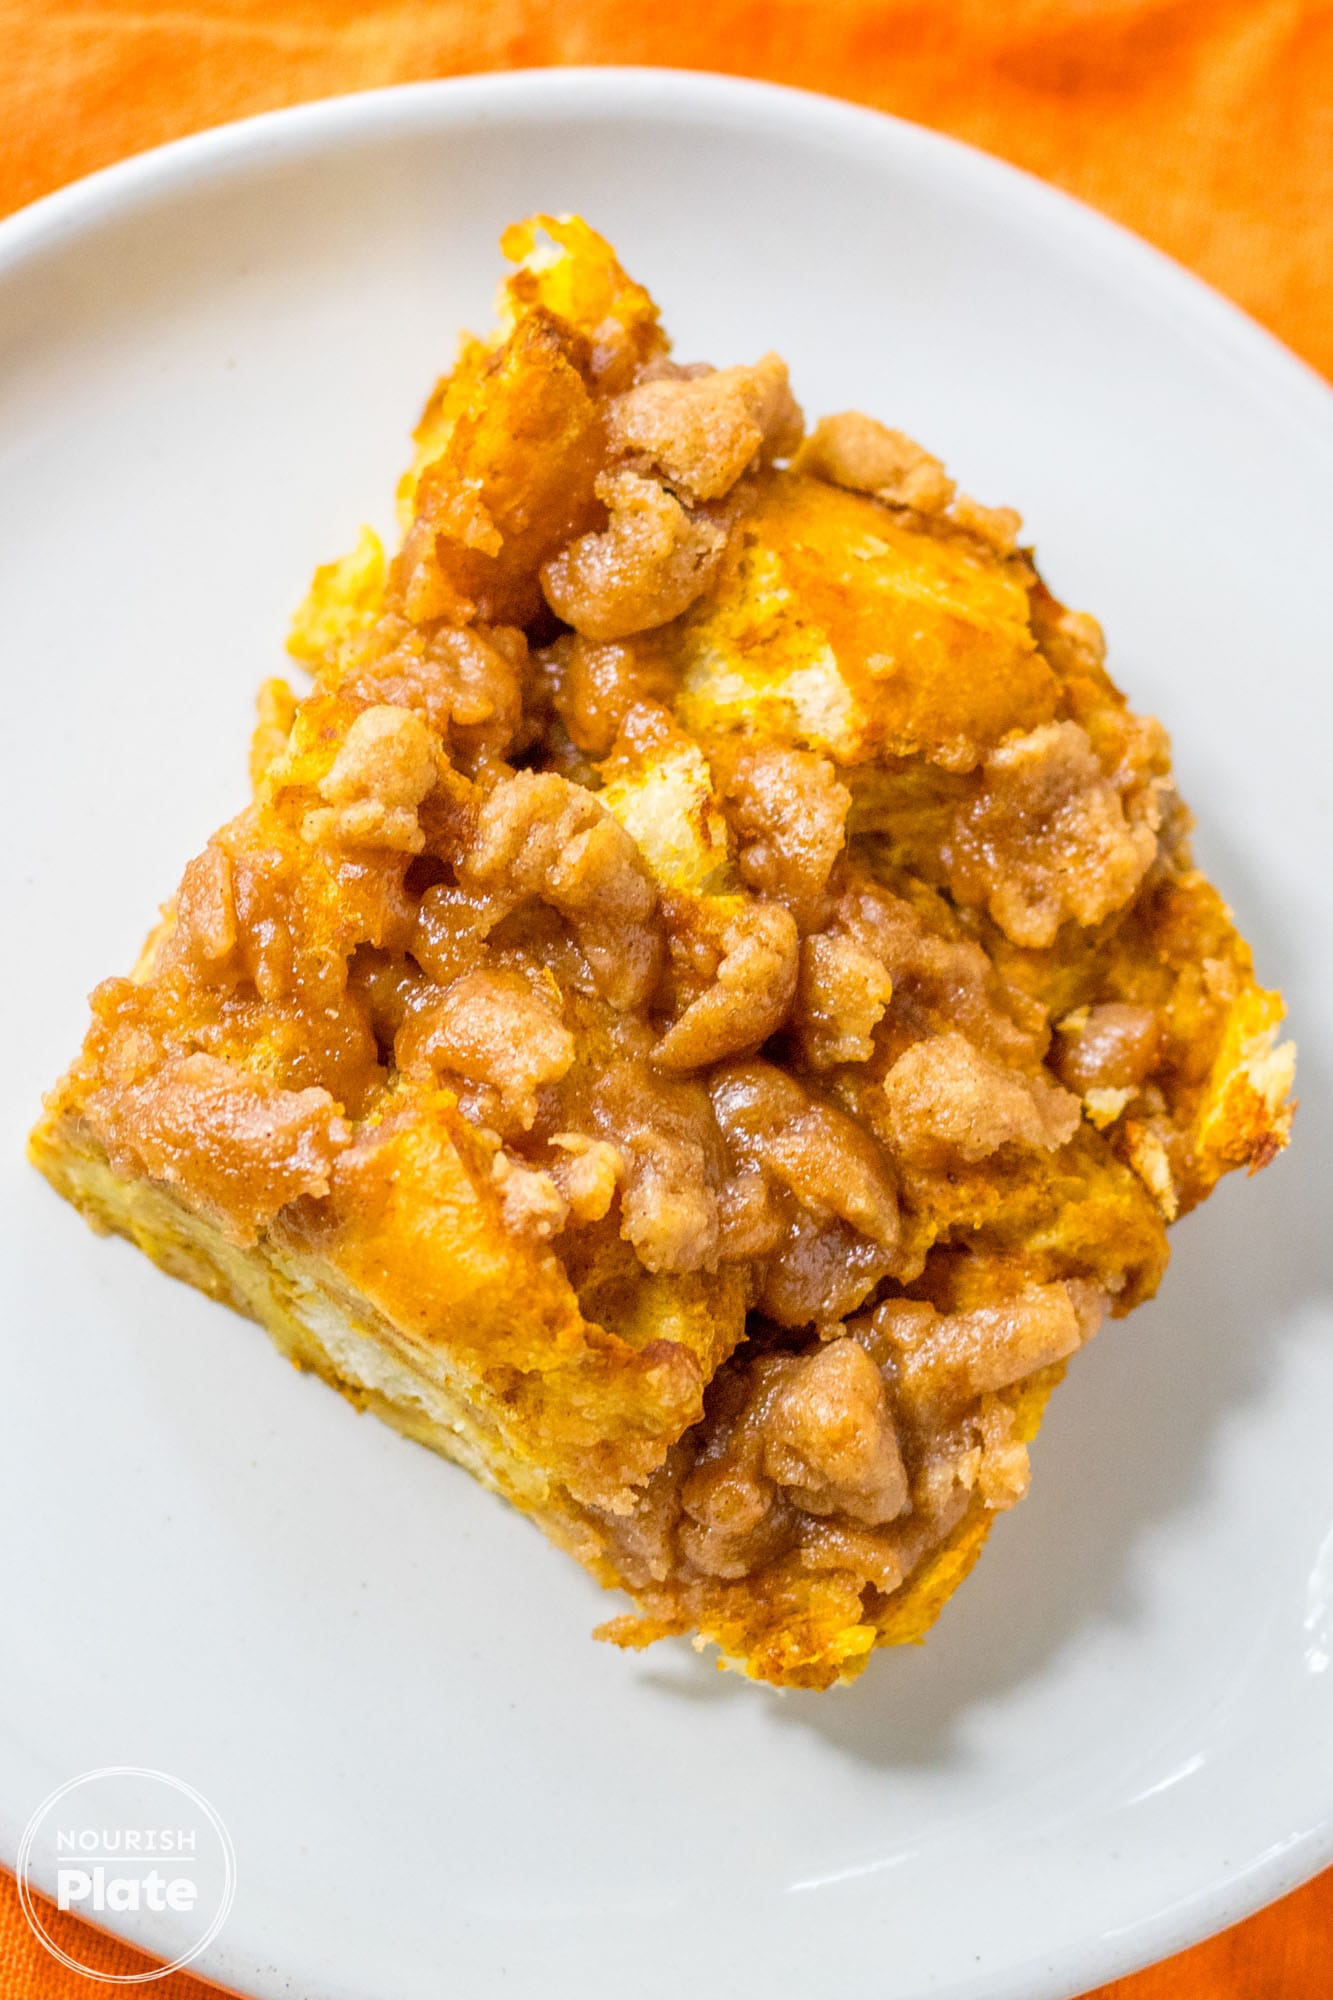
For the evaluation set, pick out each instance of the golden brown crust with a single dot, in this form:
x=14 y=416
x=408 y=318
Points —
x=711 y=976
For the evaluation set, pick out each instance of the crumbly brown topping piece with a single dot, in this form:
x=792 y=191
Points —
x=716 y=895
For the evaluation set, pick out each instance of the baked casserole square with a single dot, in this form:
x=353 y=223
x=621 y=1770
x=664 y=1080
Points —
x=708 y=1005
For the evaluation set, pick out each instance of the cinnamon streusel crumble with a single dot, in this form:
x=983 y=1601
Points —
x=709 y=1005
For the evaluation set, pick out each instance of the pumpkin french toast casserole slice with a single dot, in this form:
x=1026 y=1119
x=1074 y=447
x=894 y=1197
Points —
x=709 y=1004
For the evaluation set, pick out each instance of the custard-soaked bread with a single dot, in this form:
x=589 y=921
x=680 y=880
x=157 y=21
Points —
x=709 y=1004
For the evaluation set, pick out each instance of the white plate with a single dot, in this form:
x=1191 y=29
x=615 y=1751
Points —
x=1119 y=1737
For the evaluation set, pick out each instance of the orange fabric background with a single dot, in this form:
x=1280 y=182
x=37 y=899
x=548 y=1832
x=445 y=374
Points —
x=1206 y=125
x=1282 y=1954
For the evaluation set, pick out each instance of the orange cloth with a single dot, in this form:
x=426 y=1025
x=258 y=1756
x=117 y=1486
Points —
x=1282 y=1954
x=1206 y=125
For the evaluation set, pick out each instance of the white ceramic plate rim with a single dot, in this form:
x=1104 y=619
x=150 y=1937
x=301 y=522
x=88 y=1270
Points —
x=1291 y=389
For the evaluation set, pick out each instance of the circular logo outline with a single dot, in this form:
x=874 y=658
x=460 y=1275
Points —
x=26 y=1901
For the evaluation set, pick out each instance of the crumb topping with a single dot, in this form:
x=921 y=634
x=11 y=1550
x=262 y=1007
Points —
x=709 y=866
